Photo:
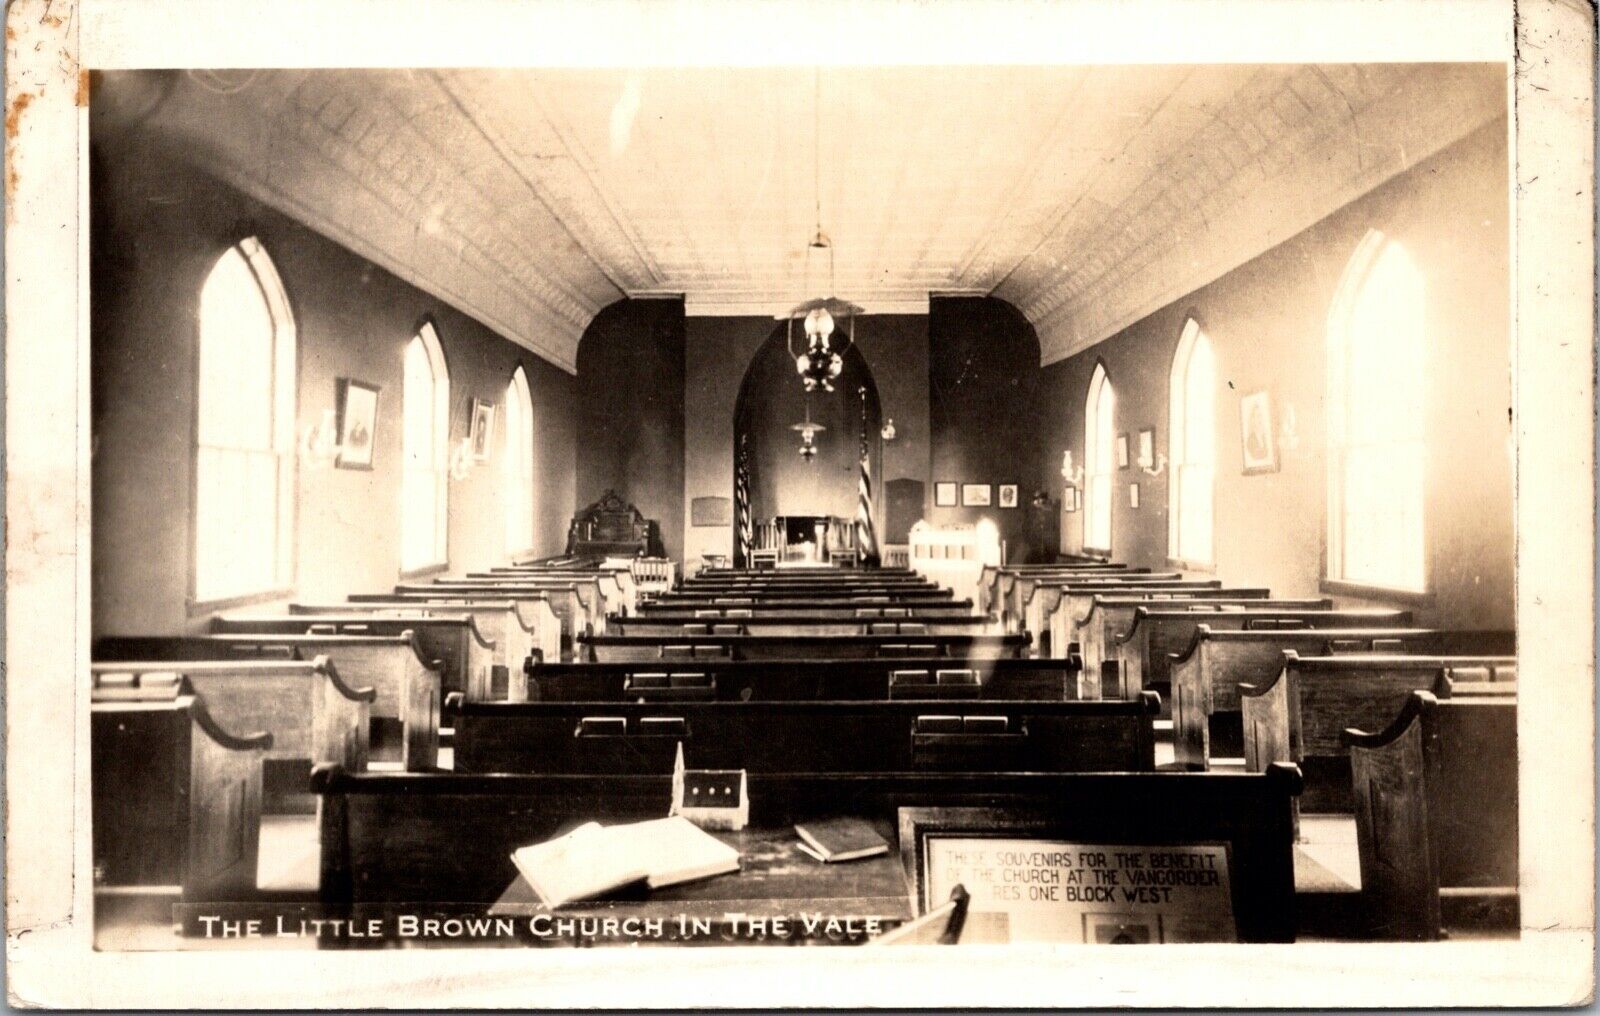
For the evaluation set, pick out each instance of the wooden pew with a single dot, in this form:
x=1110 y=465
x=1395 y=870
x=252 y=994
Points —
x=461 y=830
x=176 y=796
x=1300 y=715
x=995 y=581
x=1108 y=616
x=1019 y=586
x=817 y=609
x=1077 y=606
x=532 y=627
x=454 y=646
x=644 y=648
x=768 y=624
x=808 y=680
x=517 y=637
x=1436 y=813
x=618 y=594
x=1143 y=653
x=587 y=591
x=1038 y=612
x=312 y=715
x=404 y=712
x=826 y=736
x=1206 y=674
x=930 y=598
x=565 y=602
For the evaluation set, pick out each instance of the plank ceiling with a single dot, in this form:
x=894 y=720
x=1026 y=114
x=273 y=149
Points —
x=1087 y=196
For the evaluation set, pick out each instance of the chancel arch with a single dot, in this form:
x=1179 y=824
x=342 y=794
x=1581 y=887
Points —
x=779 y=481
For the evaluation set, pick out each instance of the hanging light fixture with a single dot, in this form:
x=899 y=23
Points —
x=821 y=361
x=808 y=433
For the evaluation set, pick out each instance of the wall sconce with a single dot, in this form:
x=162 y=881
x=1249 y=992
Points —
x=1289 y=433
x=1073 y=475
x=319 y=446
x=461 y=460
x=887 y=433
x=1159 y=467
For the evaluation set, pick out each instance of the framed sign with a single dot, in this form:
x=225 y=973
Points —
x=1030 y=880
x=711 y=511
x=1069 y=499
x=357 y=424
x=976 y=495
x=1133 y=495
x=482 y=429
x=1122 y=451
x=1147 y=448
x=1008 y=495
x=1260 y=444
x=944 y=494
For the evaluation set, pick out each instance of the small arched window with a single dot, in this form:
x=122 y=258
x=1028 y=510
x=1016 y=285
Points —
x=1377 y=353
x=1099 y=461
x=519 y=464
x=425 y=488
x=1193 y=467
x=244 y=428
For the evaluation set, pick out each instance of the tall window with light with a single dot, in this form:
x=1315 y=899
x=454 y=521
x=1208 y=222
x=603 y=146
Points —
x=1099 y=461
x=519 y=464
x=1377 y=352
x=244 y=451
x=1193 y=444
x=425 y=489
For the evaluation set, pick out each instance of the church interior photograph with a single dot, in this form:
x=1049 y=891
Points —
x=840 y=506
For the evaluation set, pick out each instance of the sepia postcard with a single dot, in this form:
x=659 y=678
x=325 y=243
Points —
x=528 y=504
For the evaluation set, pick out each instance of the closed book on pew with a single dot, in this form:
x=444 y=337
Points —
x=593 y=860
x=840 y=839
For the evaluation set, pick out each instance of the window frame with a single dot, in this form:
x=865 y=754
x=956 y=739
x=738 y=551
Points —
x=280 y=308
x=1347 y=295
x=428 y=334
x=1192 y=335
x=520 y=393
x=1099 y=384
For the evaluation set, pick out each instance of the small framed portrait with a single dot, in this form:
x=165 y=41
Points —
x=976 y=495
x=481 y=432
x=1259 y=439
x=357 y=424
x=1069 y=499
x=944 y=494
x=1122 y=451
x=1147 y=448
x=1008 y=495
x=1133 y=495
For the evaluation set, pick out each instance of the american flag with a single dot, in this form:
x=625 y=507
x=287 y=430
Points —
x=866 y=532
x=741 y=505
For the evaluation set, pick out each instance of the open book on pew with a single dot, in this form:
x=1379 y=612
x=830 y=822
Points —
x=593 y=860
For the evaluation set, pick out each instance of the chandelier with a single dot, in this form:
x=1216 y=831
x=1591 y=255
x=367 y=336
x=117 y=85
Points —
x=808 y=433
x=821 y=360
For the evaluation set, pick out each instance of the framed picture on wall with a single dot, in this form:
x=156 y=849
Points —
x=1069 y=499
x=1122 y=451
x=1259 y=440
x=357 y=424
x=1133 y=495
x=1147 y=448
x=944 y=494
x=482 y=429
x=976 y=495
x=1008 y=495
